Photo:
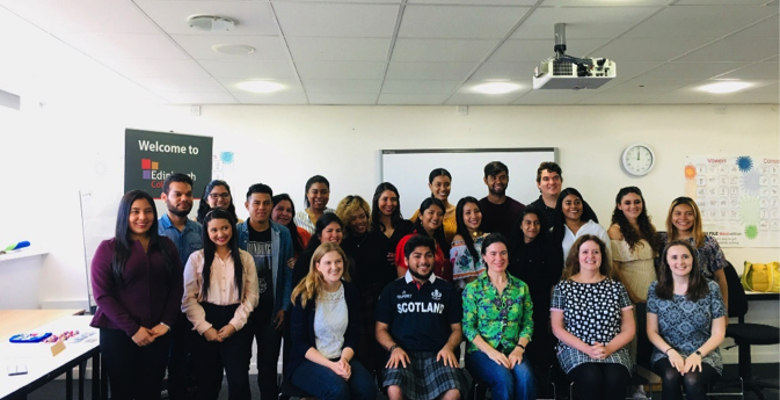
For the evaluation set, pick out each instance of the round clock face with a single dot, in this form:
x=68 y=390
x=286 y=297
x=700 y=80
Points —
x=638 y=159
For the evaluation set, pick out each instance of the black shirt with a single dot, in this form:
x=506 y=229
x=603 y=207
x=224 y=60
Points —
x=547 y=212
x=539 y=264
x=367 y=251
x=419 y=319
x=500 y=218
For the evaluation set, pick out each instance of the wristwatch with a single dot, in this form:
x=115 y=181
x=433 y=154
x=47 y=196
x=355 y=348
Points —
x=698 y=353
x=520 y=346
x=393 y=347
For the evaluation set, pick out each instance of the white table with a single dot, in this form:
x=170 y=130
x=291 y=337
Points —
x=42 y=366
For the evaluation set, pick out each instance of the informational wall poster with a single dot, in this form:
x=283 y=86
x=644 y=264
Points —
x=150 y=157
x=739 y=198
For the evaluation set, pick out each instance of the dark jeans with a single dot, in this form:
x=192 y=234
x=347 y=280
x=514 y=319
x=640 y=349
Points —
x=600 y=381
x=269 y=341
x=233 y=354
x=324 y=384
x=694 y=383
x=179 y=359
x=505 y=384
x=133 y=372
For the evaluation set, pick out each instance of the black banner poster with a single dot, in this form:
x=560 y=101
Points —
x=150 y=157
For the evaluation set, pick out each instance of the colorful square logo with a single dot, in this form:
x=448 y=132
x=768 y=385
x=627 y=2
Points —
x=147 y=174
x=146 y=163
x=147 y=166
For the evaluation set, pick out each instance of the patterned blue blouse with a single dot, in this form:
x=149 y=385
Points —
x=686 y=325
x=709 y=256
x=592 y=312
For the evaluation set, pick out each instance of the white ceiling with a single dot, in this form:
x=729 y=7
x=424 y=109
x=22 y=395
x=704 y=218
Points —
x=419 y=51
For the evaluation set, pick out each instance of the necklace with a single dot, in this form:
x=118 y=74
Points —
x=362 y=240
x=476 y=234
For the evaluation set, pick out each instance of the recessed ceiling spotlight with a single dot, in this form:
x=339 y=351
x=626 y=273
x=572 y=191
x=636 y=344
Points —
x=233 y=49
x=723 y=87
x=212 y=23
x=496 y=87
x=260 y=86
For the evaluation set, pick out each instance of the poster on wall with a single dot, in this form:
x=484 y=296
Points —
x=739 y=198
x=150 y=157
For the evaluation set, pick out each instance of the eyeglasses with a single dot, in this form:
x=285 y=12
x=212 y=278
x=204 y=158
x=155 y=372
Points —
x=215 y=196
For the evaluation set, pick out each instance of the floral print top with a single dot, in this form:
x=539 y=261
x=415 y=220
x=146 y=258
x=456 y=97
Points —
x=500 y=319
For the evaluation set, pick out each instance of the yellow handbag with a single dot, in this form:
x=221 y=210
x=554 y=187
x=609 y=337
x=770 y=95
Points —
x=761 y=277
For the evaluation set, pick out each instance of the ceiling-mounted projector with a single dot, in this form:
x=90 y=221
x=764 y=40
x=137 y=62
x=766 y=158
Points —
x=566 y=72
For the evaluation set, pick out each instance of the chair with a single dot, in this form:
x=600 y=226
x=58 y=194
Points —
x=636 y=380
x=746 y=334
x=287 y=390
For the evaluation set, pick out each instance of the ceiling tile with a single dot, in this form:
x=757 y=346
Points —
x=199 y=97
x=336 y=20
x=763 y=70
x=720 y=2
x=505 y=70
x=581 y=22
x=419 y=87
x=642 y=87
x=482 y=99
x=249 y=69
x=697 y=21
x=341 y=49
x=621 y=98
x=252 y=17
x=771 y=89
x=422 y=71
x=768 y=28
x=291 y=97
x=340 y=69
x=231 y=85
x=82 y=16
x=630 y=69
x=540 y=49
x=341 y=86
x=412 y=99
x=604 y=3
x=459 y=22
x=439 y=50
x=477 y=2
x=736 y=49
x=553 y=97
x=332 y=98
x=649 y=49
x=468 y=87
x=200 y=47
x=689 y=70
x=134 y=68
x=180 y=84
x=103 y=46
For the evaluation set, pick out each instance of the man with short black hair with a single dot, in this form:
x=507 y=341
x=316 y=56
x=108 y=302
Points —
x=418 y=321
x=270 y=244
x=549 y=179
x=187 y=235
x=499 y=211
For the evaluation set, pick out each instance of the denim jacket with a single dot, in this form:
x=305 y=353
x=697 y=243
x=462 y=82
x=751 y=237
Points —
x=281 y=251
x=187 y=241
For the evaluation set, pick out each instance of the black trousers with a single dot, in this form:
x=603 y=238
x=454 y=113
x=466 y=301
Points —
x=269 y=342
x=232 y=355
x=134 y=372
x=179 y=359
x=596 y=381
x=694 y=383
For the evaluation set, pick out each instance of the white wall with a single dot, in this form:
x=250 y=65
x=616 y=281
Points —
x=284 y=145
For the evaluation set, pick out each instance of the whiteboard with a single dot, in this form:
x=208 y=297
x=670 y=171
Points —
x=408 y=170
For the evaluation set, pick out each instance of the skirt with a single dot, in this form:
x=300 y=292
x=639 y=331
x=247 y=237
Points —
x=425 y=378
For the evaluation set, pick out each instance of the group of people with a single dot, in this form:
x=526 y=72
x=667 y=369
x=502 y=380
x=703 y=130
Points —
x=358 y=291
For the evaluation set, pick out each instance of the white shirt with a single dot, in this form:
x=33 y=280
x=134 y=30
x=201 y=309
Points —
x=331 y=318
x=222 y=289
x=590 y=228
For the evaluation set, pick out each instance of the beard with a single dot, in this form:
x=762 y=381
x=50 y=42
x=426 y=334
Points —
x=495 y=192
x=419 y=275
x=175 y=211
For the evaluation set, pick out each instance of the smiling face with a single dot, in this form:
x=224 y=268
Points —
x=530 y=226
x=318 y=196
x=421 y=262
x=219 y=198
x=496 y=257
x=590 y=256
x=497 y=184
x=220 y=231
x=549 y=183
x=440 y=187
x=282 y=213
x=388 y=202
x=631 y=206
x=572 y=208
x=680 y=261
x=259 y=206
x=683 y=218
x=140 y=218
x=358 y=221
x=331 y=266
x=332 y=233
x=472 y=216
x=432 y=218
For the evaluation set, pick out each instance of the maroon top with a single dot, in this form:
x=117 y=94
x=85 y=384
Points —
x=499 y=218
x=148 y=297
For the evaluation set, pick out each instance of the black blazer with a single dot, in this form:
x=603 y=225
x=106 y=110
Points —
x=302 y=328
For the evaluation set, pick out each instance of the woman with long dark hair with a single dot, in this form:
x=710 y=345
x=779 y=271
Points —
x=315 y=198
x=440 y=184
x=573 y=219
x=431 y=213
x=216 y=195
x=686 y=321
x=283 y=213
x=387 y=223
x=467 y=242
x=137 y=284
x=220 y=293
x=329 y=228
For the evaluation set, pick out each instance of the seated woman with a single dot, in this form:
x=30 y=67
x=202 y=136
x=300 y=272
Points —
x=325 y=331
x=497 y=322
x=467 y=243
x=440 y=184
x=593 y=319
x=282 y=214
x=535 y=260
x=316 y=200
x=573 y=219
x=216 y=195
x=429 y=224
x=686 y=321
